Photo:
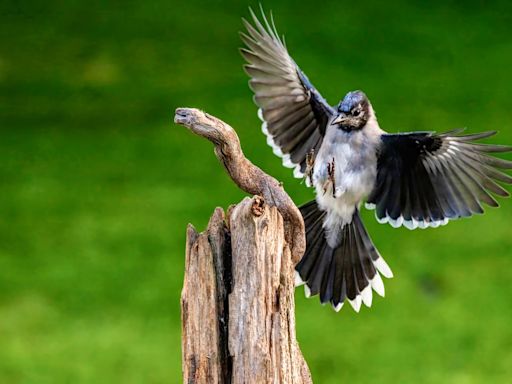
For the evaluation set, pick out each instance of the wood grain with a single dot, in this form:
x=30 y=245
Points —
x=237 y=302
x=238 y=320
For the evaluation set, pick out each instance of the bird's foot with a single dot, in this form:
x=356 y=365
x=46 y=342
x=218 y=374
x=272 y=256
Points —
x=310 y=165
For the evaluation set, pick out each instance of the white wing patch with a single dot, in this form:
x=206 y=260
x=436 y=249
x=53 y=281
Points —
x=287 y=162
x=409 y=224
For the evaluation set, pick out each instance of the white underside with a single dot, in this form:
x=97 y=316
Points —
x=353 y=156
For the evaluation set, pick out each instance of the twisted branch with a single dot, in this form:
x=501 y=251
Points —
x=245 y=174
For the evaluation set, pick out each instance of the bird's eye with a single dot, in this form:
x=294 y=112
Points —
x=356 y=112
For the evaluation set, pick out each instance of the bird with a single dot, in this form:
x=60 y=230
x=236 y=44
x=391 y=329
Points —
x=416 y=180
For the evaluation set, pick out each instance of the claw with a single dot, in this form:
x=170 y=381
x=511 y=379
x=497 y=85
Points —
x=331 y=173
x=325 y=185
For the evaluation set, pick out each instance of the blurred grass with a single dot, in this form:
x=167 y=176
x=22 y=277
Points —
x=97 y=185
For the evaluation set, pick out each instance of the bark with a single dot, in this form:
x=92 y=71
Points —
x=237 y=303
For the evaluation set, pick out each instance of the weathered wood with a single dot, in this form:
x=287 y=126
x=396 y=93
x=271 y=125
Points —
x=245 y=174
x=203 y=304
x=238 y=321
x=261 y=335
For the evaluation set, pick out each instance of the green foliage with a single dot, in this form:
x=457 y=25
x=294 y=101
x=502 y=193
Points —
x=97 y=185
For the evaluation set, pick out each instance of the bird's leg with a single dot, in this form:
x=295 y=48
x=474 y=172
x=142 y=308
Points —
x=330 y=178
x=331 y=172
x=310 y=164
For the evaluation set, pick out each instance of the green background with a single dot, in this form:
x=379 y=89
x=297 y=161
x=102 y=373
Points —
x=97 y=185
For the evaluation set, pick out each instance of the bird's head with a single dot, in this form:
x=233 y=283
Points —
x=353 y=112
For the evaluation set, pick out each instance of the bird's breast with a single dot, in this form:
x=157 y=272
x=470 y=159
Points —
x=345 y=171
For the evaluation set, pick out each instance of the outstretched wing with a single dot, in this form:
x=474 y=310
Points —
x=425 y=179
x=294 y=114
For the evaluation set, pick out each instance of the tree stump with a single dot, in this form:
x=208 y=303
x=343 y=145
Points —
x=237 y=303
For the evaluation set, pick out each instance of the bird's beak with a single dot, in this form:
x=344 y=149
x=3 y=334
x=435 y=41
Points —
x=340 y=119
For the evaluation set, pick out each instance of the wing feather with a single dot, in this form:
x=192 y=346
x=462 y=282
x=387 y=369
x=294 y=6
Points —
x=294 y=114
x=424 y=179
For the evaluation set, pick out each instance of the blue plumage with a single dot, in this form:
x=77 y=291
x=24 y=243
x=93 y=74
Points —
x=351 y=100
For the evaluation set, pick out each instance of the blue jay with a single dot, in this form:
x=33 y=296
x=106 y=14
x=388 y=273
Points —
x=416 y=180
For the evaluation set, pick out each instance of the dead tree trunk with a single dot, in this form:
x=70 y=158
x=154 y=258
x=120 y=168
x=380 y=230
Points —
x=238 y=319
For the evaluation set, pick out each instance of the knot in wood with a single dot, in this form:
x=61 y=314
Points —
x=258 y=206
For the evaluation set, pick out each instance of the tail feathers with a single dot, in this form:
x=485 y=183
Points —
x=348 y=271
